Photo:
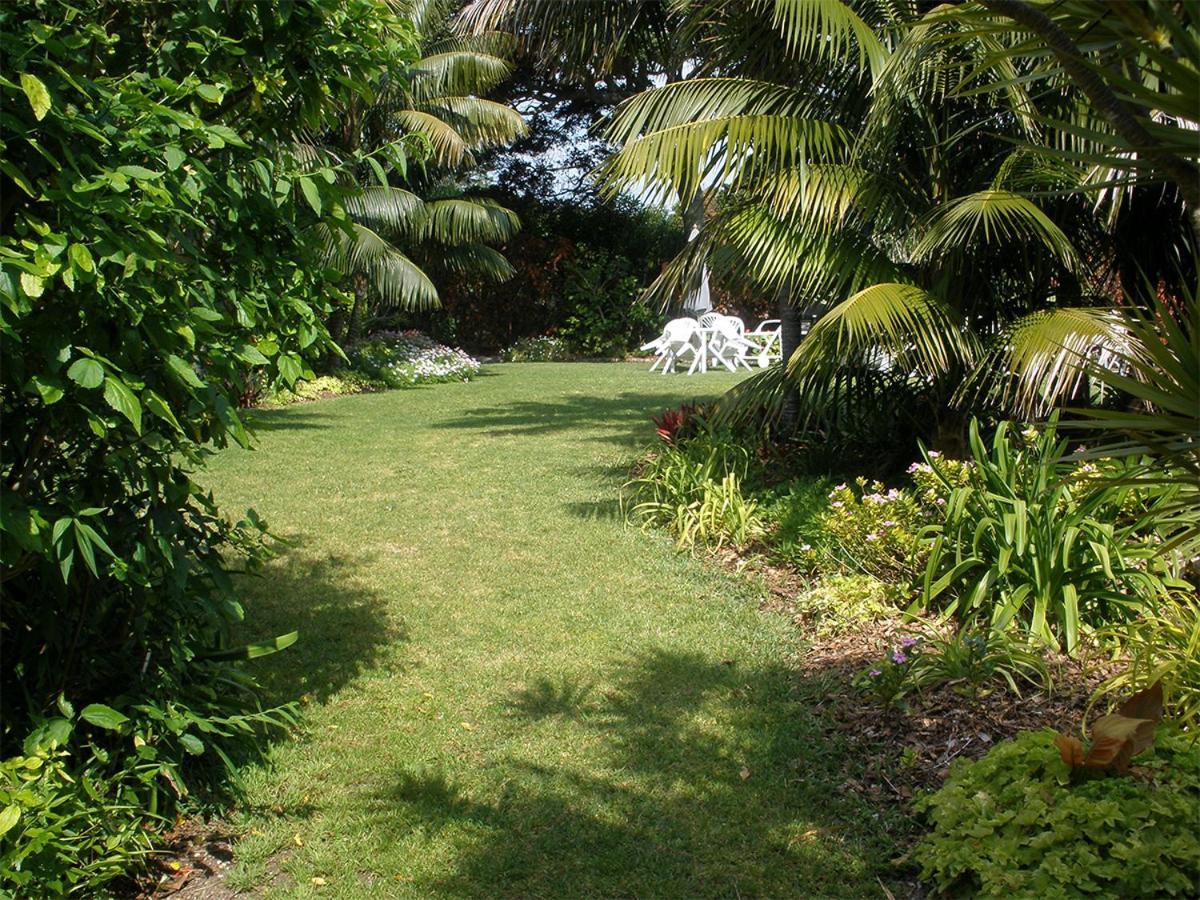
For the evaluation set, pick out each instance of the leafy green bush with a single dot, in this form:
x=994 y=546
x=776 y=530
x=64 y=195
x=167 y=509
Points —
x=159 y=253
x=543 y=348
x=1027 y=542
x=70 y=832
x=1012 y=824
x=606 y=319
x=1163 y=645
x=405 y=359
x=694 y=490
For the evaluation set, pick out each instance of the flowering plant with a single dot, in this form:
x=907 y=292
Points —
x=888 y=678
x=408 y=358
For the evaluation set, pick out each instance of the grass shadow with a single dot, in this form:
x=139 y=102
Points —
x=343 y=628
x=714 y=782
x=287 y=418
x=623 y=419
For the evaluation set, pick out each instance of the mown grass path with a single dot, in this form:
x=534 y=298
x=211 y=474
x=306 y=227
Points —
x=510 y=693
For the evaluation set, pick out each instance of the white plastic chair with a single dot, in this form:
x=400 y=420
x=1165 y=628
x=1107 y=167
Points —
x=768 y=337
x=680 y=337
x=728 y=346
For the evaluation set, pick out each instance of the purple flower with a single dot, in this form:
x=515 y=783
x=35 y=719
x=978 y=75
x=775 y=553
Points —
x=907 y=643
x=875 y=673
x=899 y=657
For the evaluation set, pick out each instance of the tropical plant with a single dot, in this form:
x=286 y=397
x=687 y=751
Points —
x=1163 y=647
x=1025 y=545
x=406 y=225
x=971 y=658
x=957 y=255
x=1012 y=824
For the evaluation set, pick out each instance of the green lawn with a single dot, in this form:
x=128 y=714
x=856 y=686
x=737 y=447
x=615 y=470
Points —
x=512 y=694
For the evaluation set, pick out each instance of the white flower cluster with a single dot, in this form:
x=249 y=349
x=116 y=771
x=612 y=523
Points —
x=403 y=359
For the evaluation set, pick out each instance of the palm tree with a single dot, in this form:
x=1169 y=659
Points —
x=890 y=197
x=404 y=224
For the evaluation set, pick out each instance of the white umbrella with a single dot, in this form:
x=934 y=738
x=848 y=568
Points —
x=698 y=301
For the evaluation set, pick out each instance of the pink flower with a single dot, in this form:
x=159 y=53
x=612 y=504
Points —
x=899 y=657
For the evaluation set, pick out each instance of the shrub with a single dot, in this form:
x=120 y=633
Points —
x=405 y=359
x=543 y=348
x=606 y=318
x=1026 y=542
x=1012 y=824
x=694 y=490
x=1163 y=645
x=160 y=252
x=70 y=832
x=875 y=530
x=343 y=384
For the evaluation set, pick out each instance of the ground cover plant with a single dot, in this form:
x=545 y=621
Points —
x=1014 y=822
x=407 y=359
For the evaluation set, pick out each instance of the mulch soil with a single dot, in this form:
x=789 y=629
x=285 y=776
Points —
x=908 y=747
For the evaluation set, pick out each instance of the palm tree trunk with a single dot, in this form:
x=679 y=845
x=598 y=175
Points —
x=358 y=310
x=789 y=340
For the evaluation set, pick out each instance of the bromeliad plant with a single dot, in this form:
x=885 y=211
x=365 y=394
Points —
x=1025 y=545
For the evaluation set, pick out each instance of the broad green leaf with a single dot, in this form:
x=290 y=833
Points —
x=311 y=194
x=65 y=707
x=158 y=407
x=175 y=157
x=192 y=744
x=122 y=399
x=290 y=368
x=32 y=285
x=9 y=817
x=39 y=96
x=81 y=258
x=86 y=373
x=185 y=372
x=50 y=391
x=139 y=172
x=210 y=92
x=103 y=716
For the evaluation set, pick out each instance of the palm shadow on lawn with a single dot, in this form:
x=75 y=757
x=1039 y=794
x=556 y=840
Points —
x=712 y=779
x=623 y=419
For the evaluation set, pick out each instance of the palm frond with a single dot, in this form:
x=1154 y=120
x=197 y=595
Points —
x=995 y=217
x=449 y=148
x=464 y=221
x=457 y=72
x=479 y=123
x=475 y=260
x=893 y=323
x=1041 y=360
x=825 y=30
x=357 y=249
x=391 y=209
